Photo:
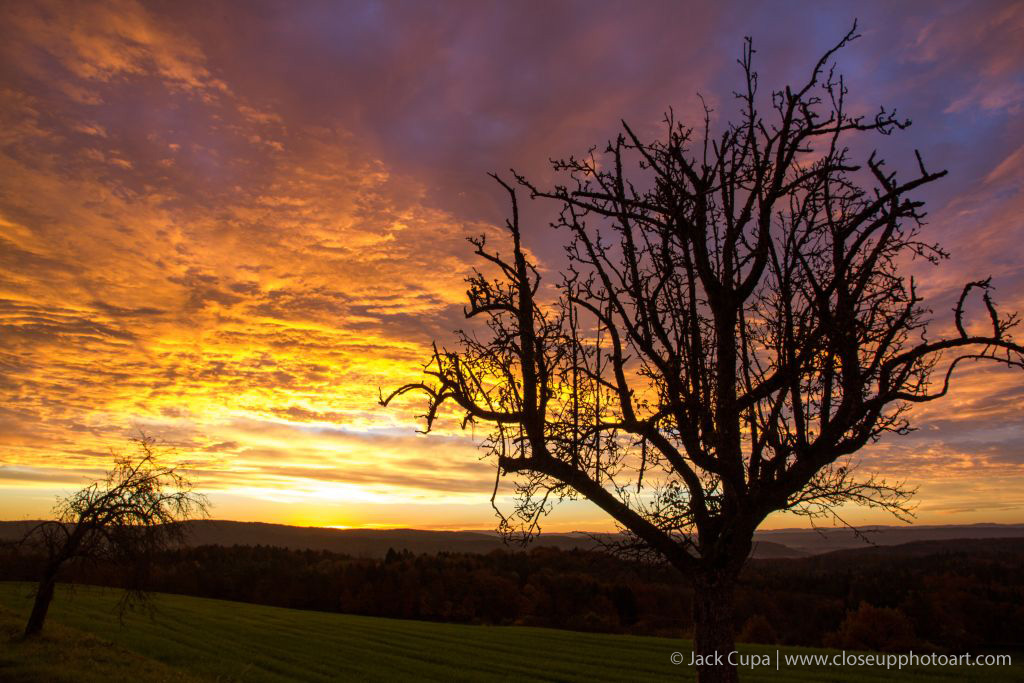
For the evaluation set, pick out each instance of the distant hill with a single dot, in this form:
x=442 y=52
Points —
x=816 y=542
x=365 y=542
x=370 y=543
x=975 y=547
x=373 y=543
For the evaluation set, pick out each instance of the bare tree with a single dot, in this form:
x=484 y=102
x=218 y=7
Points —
x=126 y=518
x=733 y=324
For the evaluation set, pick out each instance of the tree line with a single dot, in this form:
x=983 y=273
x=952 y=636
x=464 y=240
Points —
x=953 y=601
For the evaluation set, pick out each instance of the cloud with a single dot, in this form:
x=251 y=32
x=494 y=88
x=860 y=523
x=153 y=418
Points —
x=230 y=226
x=117 y=39
x=31 y=474
x=990 y=41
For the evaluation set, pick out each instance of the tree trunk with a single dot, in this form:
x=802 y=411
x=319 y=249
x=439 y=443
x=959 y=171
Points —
x=44 y=594
x=714 y=628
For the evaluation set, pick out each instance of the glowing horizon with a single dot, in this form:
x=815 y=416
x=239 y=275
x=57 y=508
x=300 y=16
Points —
x=228 y=228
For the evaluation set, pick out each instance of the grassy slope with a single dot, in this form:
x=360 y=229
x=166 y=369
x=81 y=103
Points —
x=199 y=639
x=67 y=655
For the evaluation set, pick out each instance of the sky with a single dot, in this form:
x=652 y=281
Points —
x=227 y=225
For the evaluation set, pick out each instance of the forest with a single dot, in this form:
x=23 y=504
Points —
x=963 y=596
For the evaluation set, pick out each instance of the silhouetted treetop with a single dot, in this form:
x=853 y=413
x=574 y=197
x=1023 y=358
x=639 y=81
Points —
x=736 y=319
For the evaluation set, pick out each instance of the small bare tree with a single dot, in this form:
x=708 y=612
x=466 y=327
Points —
x=732 y=326
x=136 y=511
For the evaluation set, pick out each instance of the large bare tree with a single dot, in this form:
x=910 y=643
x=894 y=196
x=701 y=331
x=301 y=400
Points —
x=126 y=518
x=734 y=322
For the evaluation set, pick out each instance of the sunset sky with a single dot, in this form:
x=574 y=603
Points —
x=227 y=224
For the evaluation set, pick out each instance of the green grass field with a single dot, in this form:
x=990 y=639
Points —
x=195 y=639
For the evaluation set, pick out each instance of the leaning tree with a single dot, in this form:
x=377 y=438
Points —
x=125 y=519
x=735 y=320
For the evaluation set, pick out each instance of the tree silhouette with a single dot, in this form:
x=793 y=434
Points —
x=126 y=518
x=733 y=324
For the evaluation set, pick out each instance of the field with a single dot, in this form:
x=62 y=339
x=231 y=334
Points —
x=194 y=639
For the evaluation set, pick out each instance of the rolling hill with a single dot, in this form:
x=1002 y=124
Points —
x=195 y=639
x=788 y=543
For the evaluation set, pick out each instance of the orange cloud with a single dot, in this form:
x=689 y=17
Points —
x=230 y=235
